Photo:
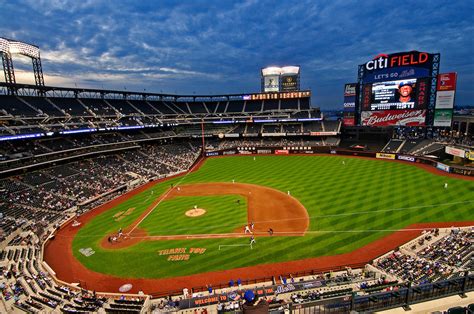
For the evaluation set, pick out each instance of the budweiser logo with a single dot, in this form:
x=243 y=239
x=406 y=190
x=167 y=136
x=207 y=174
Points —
x=387 y=118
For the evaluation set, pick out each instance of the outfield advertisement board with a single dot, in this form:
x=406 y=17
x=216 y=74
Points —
x=455 y=151
x=385 y=156
x=273 y=134
x=470 y=154
x=350 y=89
x=402 y=65
x=393 y=117
x=349 y=120
x=445 y=99
x=443 y=117
x=271 y=83
x=229 y=152
x=322 y=133
x=406 y=158
x=442 y=166
x=349 y=103
x=350 y=100
x=447 y=81
x=289 y=83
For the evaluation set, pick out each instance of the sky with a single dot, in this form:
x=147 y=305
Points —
x=219 y=47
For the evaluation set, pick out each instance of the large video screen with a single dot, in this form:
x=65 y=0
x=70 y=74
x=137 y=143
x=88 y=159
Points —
x=395 y=95
x=271 y=83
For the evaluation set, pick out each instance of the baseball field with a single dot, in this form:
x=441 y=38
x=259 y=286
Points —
x=315 y=205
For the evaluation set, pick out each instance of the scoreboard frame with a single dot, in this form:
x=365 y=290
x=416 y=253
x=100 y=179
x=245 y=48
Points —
x=408 y=61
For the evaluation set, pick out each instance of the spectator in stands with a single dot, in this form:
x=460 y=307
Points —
x=253 y=304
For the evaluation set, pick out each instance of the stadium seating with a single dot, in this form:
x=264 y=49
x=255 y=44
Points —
x=446 y=254
x=392 y=146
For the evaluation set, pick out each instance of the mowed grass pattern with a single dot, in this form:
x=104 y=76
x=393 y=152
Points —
x=350 y=205
x=223 y=215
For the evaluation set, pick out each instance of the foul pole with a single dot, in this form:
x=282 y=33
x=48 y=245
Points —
x=202 y=136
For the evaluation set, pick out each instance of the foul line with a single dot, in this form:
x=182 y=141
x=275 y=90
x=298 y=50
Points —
x=321 y=216
x=284 y=233
x=162 y=197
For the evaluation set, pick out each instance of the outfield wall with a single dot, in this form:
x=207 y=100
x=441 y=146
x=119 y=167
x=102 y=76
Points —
x=311 y=150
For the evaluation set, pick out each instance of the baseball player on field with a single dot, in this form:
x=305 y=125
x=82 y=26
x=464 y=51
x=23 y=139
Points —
x=247 y=229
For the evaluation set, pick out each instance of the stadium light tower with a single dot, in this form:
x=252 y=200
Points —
x=9 y=47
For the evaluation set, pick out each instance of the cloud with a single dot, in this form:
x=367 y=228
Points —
x=217 y=46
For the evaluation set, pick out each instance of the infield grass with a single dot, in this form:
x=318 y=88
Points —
x=169 y=218
x=349 y=205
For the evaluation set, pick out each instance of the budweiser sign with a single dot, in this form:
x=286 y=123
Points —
x=393 y=117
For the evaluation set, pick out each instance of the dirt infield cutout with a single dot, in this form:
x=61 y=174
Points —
x=266 y=207
x=195 y=212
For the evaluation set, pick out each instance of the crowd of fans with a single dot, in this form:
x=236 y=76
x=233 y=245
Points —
x=269 y=142
x=38 y=195
x=25 y=286
x=429 y=136
x=434 y=258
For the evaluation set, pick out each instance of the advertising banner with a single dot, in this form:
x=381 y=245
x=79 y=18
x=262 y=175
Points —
x=282 y=152
x=445 y=99
x=455 y=151
x=470 y=154
x=322 y=133
x=397 y=66
x=231 y=135
x=245 y=152
x=393 y=117
x=447 y=81
x=385 y=156
x=250 y=134
x=349 y=121
x=443 y=117
x=259 y=292
x=289 y=83
x=406 y=158
x=271 y=83
x=349 y=103
x=443 y=167
x=350 y=89
x=273 y=134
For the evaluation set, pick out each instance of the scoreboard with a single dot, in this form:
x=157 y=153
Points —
x=284 y=95
x=397 y=89
x=280 y=79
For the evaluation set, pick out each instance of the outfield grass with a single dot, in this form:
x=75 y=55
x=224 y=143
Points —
x=370 y=197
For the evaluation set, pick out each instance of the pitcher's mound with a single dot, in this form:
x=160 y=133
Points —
x=195 y=212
